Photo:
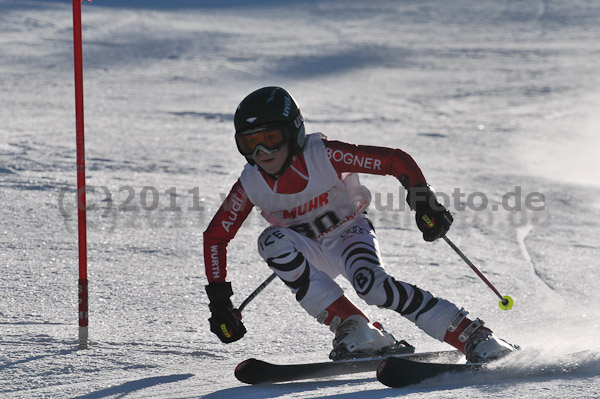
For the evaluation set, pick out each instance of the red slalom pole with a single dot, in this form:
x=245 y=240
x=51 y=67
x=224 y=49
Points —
x=81 y=202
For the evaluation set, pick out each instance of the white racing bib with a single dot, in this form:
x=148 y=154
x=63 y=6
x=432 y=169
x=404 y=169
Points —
x=326 y=203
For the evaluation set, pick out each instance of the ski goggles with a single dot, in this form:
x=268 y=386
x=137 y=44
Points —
x=267 y=139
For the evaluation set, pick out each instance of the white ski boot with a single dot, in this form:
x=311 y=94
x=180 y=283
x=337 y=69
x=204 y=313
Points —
x=477 y=342
x=483 y=346
x=356 y=337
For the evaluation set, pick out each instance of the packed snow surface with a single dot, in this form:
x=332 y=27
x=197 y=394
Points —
x=498 y=101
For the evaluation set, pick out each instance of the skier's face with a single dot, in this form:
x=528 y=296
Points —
x=272 y=163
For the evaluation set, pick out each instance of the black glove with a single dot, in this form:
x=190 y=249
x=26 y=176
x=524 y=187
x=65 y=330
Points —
x=225 y=321
x=433 y=219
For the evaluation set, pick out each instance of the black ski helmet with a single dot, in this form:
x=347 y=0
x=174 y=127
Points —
x=272 y=107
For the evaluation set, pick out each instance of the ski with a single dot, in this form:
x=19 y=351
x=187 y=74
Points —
x=254 y=371
x=397 y=372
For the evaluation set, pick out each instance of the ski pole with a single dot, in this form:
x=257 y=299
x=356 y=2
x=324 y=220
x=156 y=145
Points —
x=506 y=302
x=257 y=291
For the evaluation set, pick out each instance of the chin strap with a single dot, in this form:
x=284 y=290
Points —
x=286 y=164
x=275 y=176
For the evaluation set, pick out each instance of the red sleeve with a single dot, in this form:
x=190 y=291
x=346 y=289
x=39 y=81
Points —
x=221 y=229
x=374 y=160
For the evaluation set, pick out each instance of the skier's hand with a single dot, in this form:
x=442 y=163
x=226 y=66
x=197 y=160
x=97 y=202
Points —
x=225 y=320
x=433 y=219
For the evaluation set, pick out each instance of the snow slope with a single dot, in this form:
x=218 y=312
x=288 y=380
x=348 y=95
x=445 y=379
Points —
x=493 y=98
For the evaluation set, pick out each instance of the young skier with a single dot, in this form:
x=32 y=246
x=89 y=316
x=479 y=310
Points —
x=308 y=190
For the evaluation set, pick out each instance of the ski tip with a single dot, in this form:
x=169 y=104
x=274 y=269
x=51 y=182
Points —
x=241 y=370
x=246 y=371
x=381 y=367
x=401 y=372
x=386 y=372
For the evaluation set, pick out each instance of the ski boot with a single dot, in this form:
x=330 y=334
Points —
x=477 y=342
x=357 y=338
x=483 y=346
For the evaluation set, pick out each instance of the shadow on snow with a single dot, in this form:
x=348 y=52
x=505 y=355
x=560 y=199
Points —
x=136 y=385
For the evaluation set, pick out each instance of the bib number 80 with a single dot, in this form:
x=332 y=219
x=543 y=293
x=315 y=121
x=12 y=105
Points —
x=320 y=225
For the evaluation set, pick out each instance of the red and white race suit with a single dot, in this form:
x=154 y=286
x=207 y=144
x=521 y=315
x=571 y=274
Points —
x=318 y=230
x=342 y=157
